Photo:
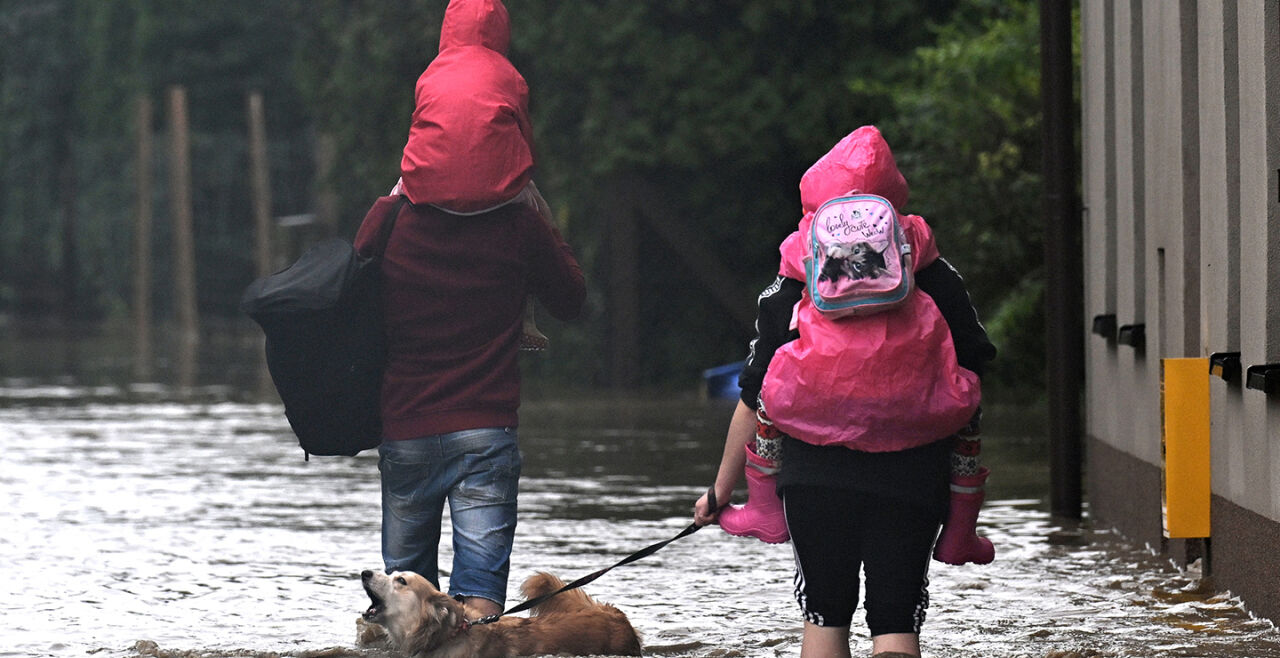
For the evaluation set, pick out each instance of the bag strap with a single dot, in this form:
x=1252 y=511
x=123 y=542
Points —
x=388 y=225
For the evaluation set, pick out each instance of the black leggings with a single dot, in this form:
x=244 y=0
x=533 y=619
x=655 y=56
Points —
x=835 y=532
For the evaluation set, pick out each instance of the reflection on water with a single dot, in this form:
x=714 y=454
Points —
x=141 y=523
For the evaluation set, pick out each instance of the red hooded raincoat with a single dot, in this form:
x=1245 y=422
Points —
x=470 y=144
x=461 y=262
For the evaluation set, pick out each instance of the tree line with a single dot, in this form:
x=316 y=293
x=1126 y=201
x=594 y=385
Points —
x=700 y=115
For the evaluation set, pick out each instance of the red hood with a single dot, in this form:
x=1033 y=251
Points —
x=470 y=144
x=476 y=23
x=861 y=162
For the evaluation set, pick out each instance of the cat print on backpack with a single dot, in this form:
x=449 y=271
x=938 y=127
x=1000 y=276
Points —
x=856 y=261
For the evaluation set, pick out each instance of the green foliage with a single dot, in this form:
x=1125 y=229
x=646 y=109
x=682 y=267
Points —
x=702 y=114
x=356 y=62
x=715 y=110
x=712 y=110
x=966 y=131
x=42 y=74
x=73 y=71
x=1018 y=329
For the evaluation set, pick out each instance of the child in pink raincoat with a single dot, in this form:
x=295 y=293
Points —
x=860 y=434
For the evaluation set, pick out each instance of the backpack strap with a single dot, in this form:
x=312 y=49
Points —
x=388 y=225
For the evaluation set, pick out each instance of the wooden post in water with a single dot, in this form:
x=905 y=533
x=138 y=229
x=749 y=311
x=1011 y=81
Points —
x=142 y=242
x=326 y=198
x=260 y=175
x=260 y=182
x=64 y=162
x=184 y=260
x=624 y=293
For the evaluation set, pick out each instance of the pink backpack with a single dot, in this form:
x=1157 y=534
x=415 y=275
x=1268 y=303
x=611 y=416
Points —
x=859 y=261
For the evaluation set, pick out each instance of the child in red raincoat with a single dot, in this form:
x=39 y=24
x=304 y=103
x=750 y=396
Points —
x=471 y=111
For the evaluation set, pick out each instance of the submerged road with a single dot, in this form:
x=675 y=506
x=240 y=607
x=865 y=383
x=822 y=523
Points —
x=143 y=522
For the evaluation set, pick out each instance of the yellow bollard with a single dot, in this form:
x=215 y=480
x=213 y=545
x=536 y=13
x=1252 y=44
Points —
x=1184 y=406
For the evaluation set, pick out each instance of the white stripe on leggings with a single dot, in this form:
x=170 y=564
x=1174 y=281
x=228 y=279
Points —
x=801 y=597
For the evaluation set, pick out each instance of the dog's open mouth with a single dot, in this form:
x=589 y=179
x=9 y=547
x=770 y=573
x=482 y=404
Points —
x=376 y=604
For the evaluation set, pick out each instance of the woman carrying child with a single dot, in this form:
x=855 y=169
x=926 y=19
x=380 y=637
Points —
x=852 y=460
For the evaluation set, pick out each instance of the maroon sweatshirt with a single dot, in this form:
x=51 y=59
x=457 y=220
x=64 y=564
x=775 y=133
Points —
x=455 y=288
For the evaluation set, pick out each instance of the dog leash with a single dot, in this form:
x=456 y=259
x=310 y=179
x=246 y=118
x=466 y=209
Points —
x=640 y=554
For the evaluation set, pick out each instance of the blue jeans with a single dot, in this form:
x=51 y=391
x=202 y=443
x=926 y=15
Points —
x=478 y=472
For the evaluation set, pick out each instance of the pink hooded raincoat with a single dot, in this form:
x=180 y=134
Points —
x=877 y=383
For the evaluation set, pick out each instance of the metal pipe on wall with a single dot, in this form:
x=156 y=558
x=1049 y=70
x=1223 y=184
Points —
x=1064 y=315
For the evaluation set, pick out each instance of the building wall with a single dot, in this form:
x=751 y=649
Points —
x=1181 y=186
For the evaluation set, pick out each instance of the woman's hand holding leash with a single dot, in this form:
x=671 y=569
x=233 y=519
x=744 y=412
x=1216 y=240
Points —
x=707 y=510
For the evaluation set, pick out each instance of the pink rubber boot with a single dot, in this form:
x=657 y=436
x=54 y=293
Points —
x=762 y=517
x=959 y=542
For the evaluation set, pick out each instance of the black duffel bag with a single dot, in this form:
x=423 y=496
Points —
x=326 y=343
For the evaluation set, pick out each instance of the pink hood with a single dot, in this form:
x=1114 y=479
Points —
x=470 y=144
x=861 y=162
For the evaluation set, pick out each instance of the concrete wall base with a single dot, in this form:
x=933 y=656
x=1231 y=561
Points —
x=1124 y=493
x=1245 y=559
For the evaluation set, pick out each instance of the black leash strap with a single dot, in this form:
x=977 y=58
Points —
x=642 y=553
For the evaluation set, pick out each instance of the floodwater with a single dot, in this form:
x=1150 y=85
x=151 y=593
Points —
x=148 y=520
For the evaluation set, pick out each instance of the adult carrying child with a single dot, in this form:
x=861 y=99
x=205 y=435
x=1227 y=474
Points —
x=848 y=425
x=466 y=255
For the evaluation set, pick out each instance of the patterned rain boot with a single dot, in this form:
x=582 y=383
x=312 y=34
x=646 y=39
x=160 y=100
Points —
x=762 y=517
x=959 y=542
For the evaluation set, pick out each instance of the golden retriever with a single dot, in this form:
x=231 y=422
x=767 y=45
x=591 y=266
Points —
x=423 y=621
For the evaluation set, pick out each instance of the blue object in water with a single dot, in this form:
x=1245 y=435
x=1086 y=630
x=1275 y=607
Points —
x=722 y=381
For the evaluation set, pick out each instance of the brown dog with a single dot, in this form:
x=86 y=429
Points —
x=423 y=621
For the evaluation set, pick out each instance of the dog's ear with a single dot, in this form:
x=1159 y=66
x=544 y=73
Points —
x=441 y=617
x=448 y=612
